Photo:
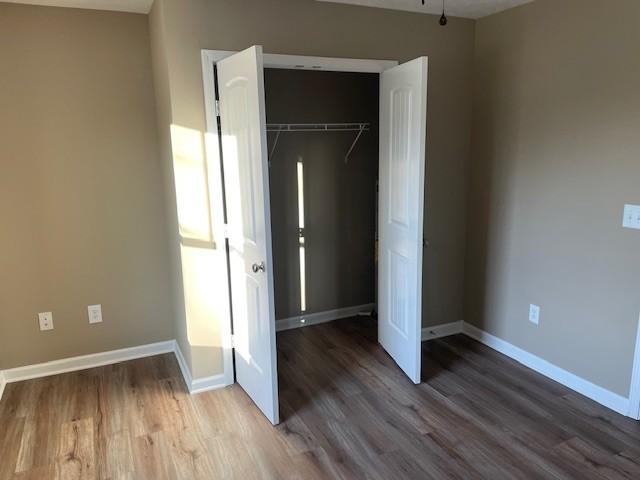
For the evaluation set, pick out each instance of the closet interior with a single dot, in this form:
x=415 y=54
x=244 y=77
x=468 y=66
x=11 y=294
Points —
x=322 y=134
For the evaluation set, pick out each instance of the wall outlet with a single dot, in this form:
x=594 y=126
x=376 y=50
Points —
x=46 y=321
x=631 y=217
x=95 y=313
x=534 y=314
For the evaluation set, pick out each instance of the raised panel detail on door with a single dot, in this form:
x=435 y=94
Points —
x=403 y=116
x=241 y=203
x=255 y=322
x=244 y=155
x=399 y=272
x=400 y=99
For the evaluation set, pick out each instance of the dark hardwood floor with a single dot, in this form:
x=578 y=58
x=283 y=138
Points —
x=348 y=412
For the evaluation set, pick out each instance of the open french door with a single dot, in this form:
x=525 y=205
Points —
x=403 y=127
x=246 y=179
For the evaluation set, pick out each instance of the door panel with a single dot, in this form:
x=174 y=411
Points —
x=403 y=123
x=399 y=155
x=244 y=151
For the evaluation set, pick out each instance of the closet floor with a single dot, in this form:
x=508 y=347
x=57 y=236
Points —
x=348 y=412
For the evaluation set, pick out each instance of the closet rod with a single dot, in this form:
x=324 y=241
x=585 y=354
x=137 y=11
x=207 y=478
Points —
x=317 y=127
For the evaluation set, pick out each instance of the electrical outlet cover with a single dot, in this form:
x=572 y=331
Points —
x=534 y=314
x=631 y=217
x=45 y=319
x=95 y=313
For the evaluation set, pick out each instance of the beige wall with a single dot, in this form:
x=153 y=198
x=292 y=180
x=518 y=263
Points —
x=80 y=185
x=307 y=27
x=556 y=155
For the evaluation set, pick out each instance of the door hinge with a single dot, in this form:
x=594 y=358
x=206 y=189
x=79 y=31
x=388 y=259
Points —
x=226 y=230
x=217 y=107
x=233 y=341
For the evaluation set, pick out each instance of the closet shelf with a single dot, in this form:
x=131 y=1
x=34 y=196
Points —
x=279 y=128
x=317 y=127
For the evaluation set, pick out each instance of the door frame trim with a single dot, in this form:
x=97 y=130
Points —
x=209 y=59
x=634 y=389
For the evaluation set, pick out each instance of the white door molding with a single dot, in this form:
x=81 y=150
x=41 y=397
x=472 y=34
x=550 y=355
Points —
x=302 y=62
x=634 y=393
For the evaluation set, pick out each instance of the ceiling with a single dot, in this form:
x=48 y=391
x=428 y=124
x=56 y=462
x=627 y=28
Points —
x=135 y=6
x=454 y=8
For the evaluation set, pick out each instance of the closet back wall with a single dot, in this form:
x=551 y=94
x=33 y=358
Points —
x=339 y=197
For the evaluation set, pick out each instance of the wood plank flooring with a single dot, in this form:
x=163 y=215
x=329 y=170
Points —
x=348 y=412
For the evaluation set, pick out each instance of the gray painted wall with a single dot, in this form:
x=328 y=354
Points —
x=556 y=155
x=340 y=199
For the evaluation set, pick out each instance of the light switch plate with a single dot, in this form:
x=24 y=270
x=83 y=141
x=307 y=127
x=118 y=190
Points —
x=45 y=319
x=95 y=313
x=631 y=217
x=534 y=314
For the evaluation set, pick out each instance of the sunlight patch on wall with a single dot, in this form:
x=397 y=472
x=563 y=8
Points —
x=192 y=195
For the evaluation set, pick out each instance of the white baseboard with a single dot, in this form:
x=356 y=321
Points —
x=198 y=385
x=322 y=317
x=439 y=331
x=609 y=399
x=84 y=362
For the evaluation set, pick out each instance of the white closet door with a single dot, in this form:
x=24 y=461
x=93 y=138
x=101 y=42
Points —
x=403 y=126
x=244 y=148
